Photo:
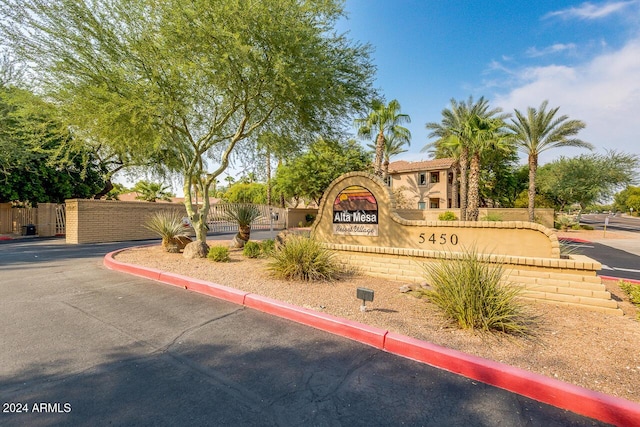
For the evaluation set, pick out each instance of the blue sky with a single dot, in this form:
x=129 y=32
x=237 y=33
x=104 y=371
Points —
x=581 y=56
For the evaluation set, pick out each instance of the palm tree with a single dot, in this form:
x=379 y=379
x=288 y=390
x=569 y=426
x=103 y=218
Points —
x=539 y=131
x=485 y=133
x=384 y=121
x=151 y=191
x=393 y=145
x=455 y=137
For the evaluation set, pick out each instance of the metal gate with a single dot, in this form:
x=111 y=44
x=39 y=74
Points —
x=270 y=217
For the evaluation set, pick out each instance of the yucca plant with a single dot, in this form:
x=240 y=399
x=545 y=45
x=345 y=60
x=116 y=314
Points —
x=168 y=225
x=302 y=258
x=244 y=215
x=471 y=293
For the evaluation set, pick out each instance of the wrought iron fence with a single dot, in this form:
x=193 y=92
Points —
x=270 y=217
x=61 y=220
x=21 y=217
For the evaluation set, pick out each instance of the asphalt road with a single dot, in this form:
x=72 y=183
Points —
x=83 y=345
x=619 y=258
x=612 y=222
x=615 y=262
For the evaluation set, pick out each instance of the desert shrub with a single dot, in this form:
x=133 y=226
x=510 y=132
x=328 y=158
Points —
x=251 y=250
x=447 y=216
x=302 y=258
x=633 y=291
x=586 y=227
x=491 y=217
x=267 y=246
x=471 y=293
x=564 y=222
x=167 y=225
x=218 y=254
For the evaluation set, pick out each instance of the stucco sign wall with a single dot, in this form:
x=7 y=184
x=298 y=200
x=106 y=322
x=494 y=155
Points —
x=355 y=212
x=359 y=209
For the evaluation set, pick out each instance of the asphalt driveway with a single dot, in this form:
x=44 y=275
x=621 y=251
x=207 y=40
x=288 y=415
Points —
x=83 y=345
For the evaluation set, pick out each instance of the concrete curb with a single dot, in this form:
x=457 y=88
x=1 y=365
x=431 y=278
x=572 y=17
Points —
x=603 y=407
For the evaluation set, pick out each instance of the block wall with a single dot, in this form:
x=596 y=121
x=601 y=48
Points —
x=98 y=221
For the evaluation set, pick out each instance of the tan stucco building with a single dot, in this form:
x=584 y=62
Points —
x=425 y=184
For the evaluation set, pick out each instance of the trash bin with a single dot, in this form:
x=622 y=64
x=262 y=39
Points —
x=29 y=230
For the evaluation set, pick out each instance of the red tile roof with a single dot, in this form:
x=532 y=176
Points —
x=423 y=165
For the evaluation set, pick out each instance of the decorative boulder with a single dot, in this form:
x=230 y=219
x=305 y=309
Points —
x=237 y=242
x=195 y=250
x=181 y=241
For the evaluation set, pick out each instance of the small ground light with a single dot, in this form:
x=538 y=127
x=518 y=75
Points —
x=365 y=295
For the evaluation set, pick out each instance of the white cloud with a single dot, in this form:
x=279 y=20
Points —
x=604 y=93
x=554 y=48
x=592 y=11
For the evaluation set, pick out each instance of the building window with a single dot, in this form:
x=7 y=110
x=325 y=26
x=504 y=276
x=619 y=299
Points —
x=422 y=205
x=434 y=203
x=434 y=177
x=422 y=179
x=387 y=180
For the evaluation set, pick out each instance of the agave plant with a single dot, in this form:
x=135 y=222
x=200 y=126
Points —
x=244 y=215
x=168 y=225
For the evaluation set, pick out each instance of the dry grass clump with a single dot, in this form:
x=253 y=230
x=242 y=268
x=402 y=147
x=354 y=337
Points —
x=472 y=294
x=302 y=258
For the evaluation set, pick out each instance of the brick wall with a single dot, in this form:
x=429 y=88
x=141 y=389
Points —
x=96 y=221
x=567 y=282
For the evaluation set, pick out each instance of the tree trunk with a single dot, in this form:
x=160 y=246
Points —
x=385 y=169
x=197 y=214
x=464 y=163
x=533 y=167
x=454 y=190
x=108 y=186
x=242 y=237
x=268 y=177
x=377 y=165
x=474 y=174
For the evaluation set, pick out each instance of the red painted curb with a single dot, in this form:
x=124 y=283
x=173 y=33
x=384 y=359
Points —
x=574 y=239
x=149 y=273
x=174 y=279
x=637 y=282
x=566 y=396
x=218 y=291
x=573 y=398
x=356 y=331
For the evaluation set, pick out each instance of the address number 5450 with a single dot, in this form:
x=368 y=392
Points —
x=443 y=239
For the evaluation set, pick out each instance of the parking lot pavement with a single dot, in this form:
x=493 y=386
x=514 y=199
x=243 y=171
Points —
x=82 y=345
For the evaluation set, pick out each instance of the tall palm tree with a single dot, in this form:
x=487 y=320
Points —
x=383 y=121
x=455 y=135
x=540 y=131
x=393 y=145
x=485 y=133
